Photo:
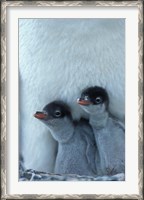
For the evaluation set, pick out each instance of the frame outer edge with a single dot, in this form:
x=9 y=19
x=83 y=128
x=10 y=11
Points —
x=3 y=99
x=4 y=5
x=140 y=98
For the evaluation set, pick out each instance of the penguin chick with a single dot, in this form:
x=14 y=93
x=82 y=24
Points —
x=76 y=143
x=109 y=132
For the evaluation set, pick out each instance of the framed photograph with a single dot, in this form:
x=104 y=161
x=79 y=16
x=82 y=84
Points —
x=72 y=100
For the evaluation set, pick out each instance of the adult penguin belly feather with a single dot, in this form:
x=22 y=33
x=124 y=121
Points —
x=57 y=60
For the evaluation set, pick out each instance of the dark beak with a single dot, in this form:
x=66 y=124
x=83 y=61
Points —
x=83 y=102
x=40 y=115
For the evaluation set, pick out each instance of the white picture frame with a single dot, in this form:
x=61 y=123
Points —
x=10 y=15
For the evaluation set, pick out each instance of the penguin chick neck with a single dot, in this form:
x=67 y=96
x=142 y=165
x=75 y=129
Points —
x=98 y=117
x=62 y=129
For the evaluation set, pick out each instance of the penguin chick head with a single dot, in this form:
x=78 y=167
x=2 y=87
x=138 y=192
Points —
x=53 y=112
x=57 y=117
x=94 y=99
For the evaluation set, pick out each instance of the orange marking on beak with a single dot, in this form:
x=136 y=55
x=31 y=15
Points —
x=83 y=102
x=40 y=115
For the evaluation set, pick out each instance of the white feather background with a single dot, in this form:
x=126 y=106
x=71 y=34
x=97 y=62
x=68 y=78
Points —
x=57 y=59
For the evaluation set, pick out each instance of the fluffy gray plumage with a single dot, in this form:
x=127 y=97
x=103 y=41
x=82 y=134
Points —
x=77 y=155
x=76 y=143
x=109 y=133
x=111 y=147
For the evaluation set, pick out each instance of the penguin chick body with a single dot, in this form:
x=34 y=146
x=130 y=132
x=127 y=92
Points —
x=76 y=143
x=109 y=133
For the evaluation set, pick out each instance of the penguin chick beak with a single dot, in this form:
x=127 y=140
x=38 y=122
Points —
x=40 y=115
x=83 y=102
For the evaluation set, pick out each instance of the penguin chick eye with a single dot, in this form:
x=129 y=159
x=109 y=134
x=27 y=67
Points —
x=57 y=113
x=98 y=100
x=86 y=97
